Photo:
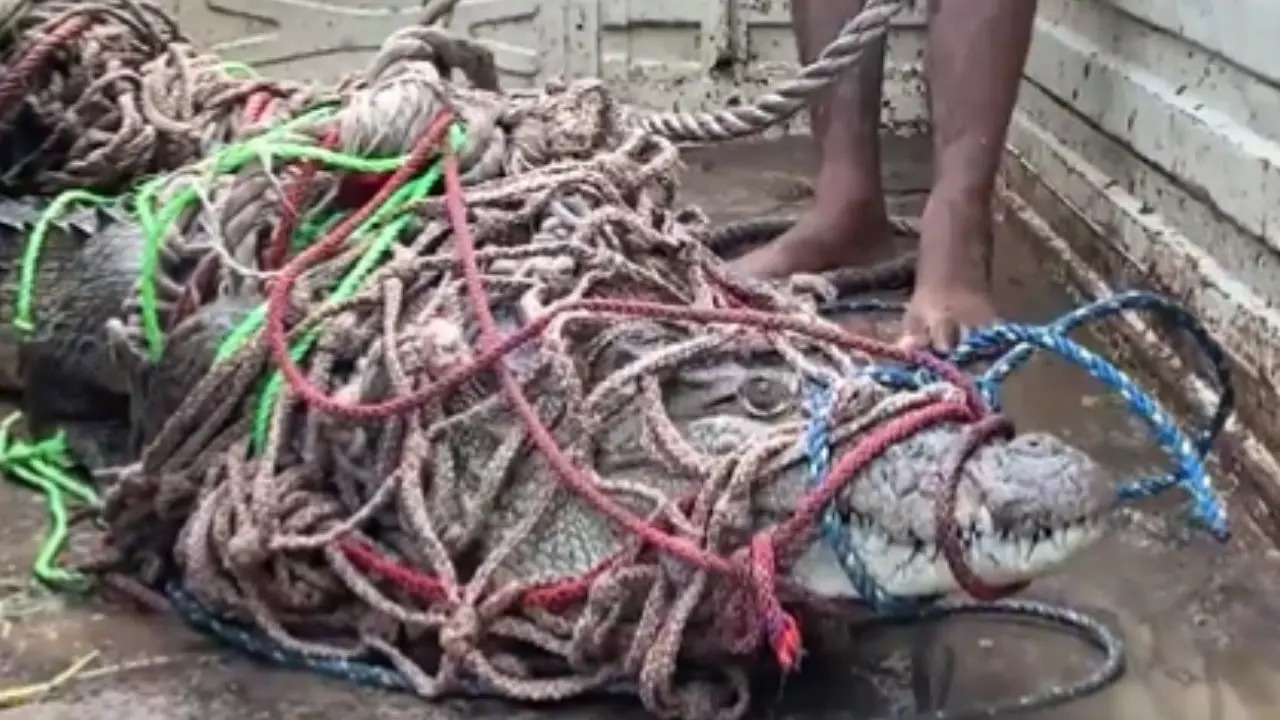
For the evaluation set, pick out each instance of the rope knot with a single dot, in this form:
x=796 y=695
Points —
x=246 y=547
x=460 y=634
x=444 y=346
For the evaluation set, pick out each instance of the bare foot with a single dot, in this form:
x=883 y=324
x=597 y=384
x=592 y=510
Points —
x=826 y=237
x=953 y=283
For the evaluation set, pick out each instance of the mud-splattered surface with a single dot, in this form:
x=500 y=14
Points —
x=1202 y=621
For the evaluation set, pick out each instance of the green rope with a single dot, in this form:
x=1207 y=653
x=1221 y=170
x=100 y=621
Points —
x=157 y=221
x=22 y=319
x=46 y=466
x=156 y=224
x=411 y=192
x=26 y=291
x=347 y=287
x=313 y=228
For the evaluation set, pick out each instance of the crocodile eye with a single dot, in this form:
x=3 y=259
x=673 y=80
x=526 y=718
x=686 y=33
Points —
x=766 y=396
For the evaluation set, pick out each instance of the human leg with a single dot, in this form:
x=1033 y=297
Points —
x=847 y=223
x=976 y=53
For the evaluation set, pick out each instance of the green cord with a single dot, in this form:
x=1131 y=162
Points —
x=415 y=190
x=412 y=191
x=155 y=223
x=46 y=569
x=22 y=319
x=44 y=466
x=66 y=482
x=312 y=229
x=240 y=335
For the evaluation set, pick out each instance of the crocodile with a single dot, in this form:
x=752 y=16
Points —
x=1025 y=505
x=59 y=359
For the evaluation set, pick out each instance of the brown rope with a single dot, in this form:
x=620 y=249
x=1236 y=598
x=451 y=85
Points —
x=106 y=93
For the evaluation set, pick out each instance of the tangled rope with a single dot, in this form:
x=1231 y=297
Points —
x=98 y=95
x=323 y=353
x=441 y=590
x=465 y=603
x=103 y=93
x=1008 y=346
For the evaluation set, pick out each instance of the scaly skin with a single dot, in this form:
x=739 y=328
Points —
x=1025 y=505
x=189 y=352
x=67 y=370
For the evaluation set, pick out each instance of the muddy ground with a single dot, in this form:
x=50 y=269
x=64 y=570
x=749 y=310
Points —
x=1201 y=620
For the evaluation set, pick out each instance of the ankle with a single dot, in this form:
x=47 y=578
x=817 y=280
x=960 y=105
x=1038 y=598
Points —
x=844 y=183
x=963 y=188
x=850 y=203
x=969 y=201
x=854 y=212
x=956 y=238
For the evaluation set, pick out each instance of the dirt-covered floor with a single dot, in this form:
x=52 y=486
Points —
x=1202 y=621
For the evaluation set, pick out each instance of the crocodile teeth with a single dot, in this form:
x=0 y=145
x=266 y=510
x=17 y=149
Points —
x=913 y=567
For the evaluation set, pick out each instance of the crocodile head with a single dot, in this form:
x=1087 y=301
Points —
x=1024 y=505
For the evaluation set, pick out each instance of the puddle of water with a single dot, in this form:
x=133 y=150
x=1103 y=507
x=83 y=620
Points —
x=1201 y=621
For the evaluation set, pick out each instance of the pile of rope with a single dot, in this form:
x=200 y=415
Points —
x=98 y=95
x=360 y=493
x=388 y=465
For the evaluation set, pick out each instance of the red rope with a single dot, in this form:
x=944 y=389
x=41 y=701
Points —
x=550 y=596
x=601 y=307
x=945 y=529
x=273 y=256
x=256 y=106
x=19 y=77
x=759 y=568
x=328 y=246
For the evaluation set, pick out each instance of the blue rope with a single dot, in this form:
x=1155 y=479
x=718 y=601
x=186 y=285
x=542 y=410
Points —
x=262 y=647
x=1013 y=344
x=817 y=440
x=367 y=674
x=983 y=344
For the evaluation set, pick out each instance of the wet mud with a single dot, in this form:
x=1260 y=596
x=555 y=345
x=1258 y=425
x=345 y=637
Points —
x=1201 y=621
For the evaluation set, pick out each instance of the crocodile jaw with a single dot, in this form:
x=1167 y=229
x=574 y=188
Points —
x=1023 y=508
x=915 y=569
